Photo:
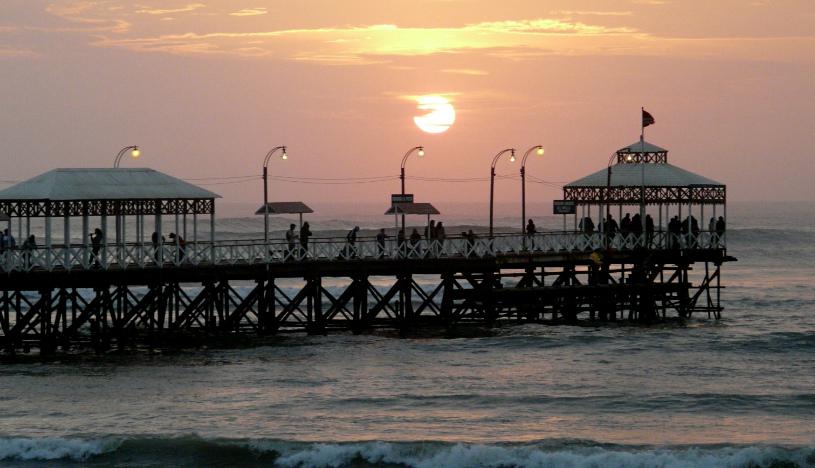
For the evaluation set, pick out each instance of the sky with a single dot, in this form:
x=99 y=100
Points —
x=206 y=88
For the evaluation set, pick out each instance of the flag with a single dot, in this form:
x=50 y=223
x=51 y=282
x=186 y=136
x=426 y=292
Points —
x=647 y=119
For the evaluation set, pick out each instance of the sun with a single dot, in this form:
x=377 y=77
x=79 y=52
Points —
x=440 y=117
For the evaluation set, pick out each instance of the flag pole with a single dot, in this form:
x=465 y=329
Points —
x=642 y=124
x=642 y=170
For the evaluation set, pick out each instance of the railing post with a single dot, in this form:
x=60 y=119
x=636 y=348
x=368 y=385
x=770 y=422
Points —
x=212 y=234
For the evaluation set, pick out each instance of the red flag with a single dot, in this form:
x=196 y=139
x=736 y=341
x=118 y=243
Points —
x=647 y=119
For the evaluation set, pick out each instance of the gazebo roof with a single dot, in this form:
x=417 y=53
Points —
x=93 y=184
x=413 y=209
x=295 y=207
x=648 y=174
x=642 y=175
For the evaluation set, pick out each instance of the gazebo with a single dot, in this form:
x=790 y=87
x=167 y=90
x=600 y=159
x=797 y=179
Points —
x=118 y=193
x=641 y=176
x=282 y=208
x=410 y=208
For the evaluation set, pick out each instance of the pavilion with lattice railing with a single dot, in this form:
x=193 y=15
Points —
x=639 y=176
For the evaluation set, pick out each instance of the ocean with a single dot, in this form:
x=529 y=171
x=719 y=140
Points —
x=737 y=392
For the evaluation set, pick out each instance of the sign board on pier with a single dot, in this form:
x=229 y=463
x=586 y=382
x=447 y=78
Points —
x=564 y=207
x=401 y=198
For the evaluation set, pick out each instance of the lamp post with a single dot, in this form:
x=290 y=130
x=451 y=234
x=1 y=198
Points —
x=420 y=151
x=269 y=155
x=135 y=152
x=492 y=179
x=538 y=149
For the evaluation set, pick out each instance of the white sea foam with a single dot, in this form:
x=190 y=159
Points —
x=53 y=448
x=493 y=456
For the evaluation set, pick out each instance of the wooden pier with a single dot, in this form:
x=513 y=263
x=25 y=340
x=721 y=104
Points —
x=150 y=304
x=134 y=289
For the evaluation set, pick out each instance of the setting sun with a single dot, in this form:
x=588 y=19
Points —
x=442 y=115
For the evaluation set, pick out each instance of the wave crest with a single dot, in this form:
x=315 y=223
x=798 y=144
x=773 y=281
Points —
x=571 y=453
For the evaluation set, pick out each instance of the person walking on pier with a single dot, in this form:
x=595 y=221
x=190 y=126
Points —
x=649 y=230
x=351 y=246
x=305 y=233
x=96 y=245
x=291 y=240
x=380 y=243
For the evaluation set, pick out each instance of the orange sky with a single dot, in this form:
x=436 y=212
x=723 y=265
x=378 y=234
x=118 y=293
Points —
x=206 y=88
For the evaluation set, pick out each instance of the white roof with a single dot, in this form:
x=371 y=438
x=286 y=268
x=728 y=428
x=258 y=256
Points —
x=642 y=146
x=655 y=175
x=104 y=184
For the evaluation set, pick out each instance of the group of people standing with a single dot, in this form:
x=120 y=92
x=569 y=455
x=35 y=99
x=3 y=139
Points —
x=294 y=238
x=634 y=225
x=434 y=233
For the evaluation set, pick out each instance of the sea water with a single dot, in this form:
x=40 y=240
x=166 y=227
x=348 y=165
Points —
x=737 y=392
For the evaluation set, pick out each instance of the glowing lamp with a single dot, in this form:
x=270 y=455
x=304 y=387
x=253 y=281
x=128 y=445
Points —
x=135 y=153
x=421 y=152
x=284 y=156
x=540 y=151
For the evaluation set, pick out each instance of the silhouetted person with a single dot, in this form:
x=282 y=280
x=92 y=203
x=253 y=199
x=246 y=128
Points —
x=415 y=238
x=180 y=246
x=380 y=243
x=625 y=224
x=611 y=227
x=430 y=230
x=636 y=224
x=711 y=225
x=8 y=240
x=587 y=225
x=351 y=237
x=720 y=227
x=29 y=246
x=530 y=232
x=305 y=234
x=649 y=230
x=401 y=243
x=156 y=246
x=471 y=243
x=439 y=238
x=97 y=238
x=291 y=240
x=674 y=231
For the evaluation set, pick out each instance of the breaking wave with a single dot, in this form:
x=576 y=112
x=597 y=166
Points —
x=112 y=451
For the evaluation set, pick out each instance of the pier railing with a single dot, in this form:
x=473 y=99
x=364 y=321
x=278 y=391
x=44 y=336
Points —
x=226 y=252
